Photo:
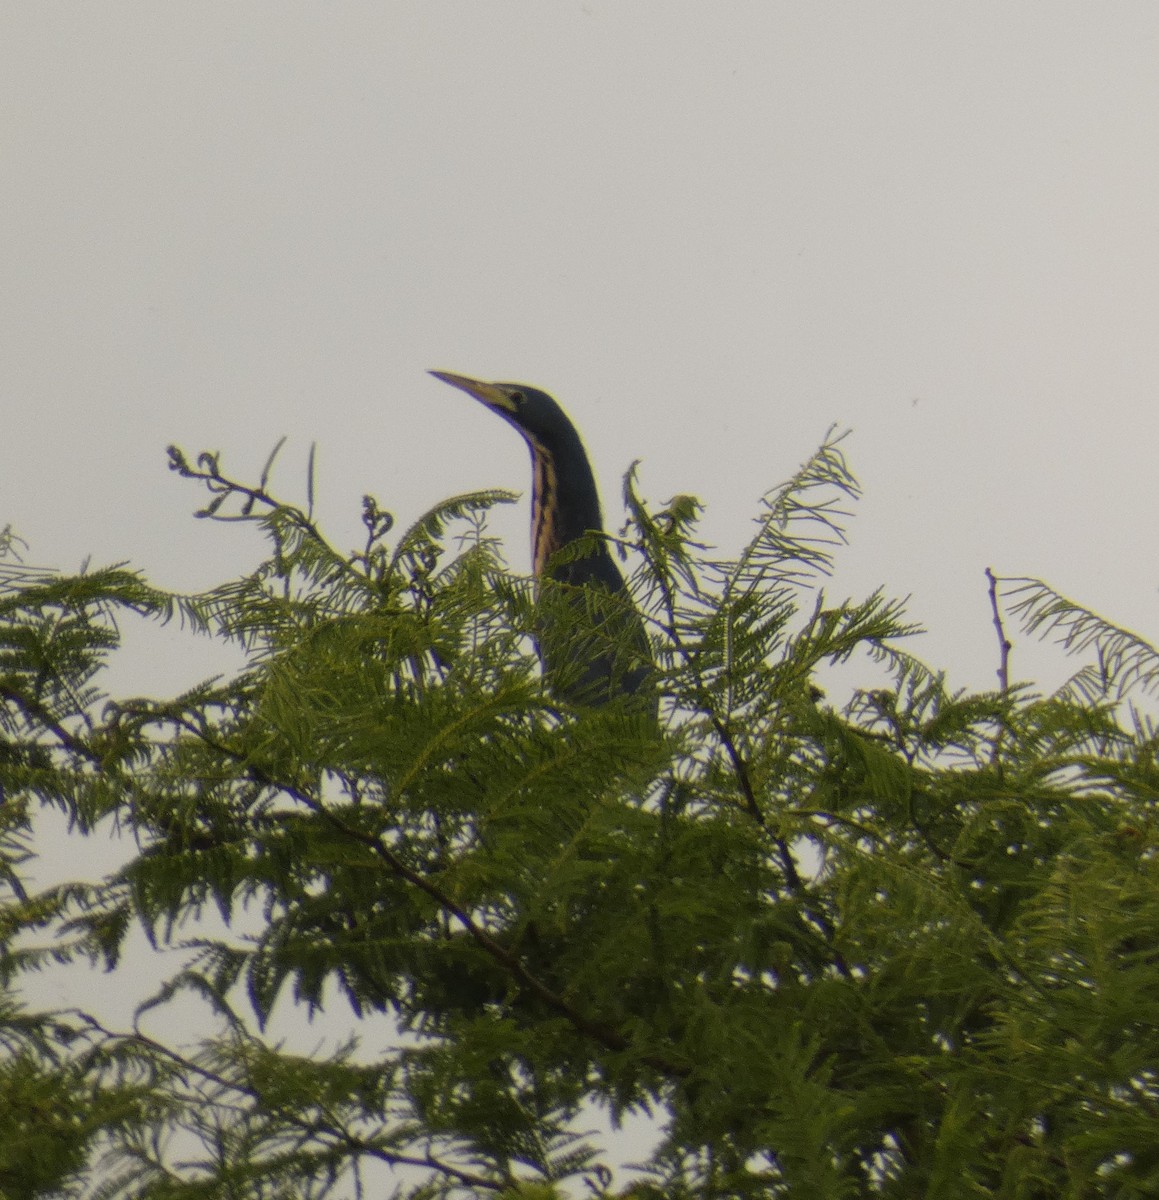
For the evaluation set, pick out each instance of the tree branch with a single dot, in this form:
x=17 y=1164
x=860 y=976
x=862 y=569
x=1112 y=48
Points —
x=784 y=851
x=1004 y=645
x=605 y=1035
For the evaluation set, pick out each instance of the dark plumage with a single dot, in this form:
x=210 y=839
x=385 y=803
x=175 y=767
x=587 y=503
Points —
x=605 y=651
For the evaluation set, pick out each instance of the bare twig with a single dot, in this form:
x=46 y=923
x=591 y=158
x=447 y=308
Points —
x=222 y=487
x=1004 y=645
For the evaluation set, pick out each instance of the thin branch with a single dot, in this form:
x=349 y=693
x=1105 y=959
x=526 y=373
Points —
x=607 y=1036
x=355 y=1145
x=784 y=851
x=36 y=712
x=740 y=768
x=222 y=487
x=1004 y=645
x=393 y=1158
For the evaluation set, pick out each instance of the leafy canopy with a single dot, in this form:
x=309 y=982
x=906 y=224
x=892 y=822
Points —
x=897 y=944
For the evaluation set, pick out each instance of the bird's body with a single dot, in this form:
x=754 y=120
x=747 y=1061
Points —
x=604 y=652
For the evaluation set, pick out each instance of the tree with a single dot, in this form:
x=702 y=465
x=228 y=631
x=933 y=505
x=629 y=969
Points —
x=899 y=945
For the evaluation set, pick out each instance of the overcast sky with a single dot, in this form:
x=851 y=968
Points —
x=711 y=230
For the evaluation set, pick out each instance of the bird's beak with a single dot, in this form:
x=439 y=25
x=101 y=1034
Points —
x=490 y=394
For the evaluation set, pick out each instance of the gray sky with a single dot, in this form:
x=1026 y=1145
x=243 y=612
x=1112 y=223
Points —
x=710 y=230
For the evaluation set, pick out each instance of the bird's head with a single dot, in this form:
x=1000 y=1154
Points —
x=564 y=500
x=534 y=413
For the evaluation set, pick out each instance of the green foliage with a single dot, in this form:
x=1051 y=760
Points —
x=898 y=946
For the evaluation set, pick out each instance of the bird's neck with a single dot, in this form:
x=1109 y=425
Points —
x=565 y=505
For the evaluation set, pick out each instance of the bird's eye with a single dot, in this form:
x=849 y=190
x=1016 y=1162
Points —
x=516 y=396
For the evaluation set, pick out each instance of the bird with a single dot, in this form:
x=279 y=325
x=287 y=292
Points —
x=604 y=651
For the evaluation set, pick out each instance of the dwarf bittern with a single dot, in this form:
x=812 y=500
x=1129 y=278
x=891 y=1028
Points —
x=610 y=656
